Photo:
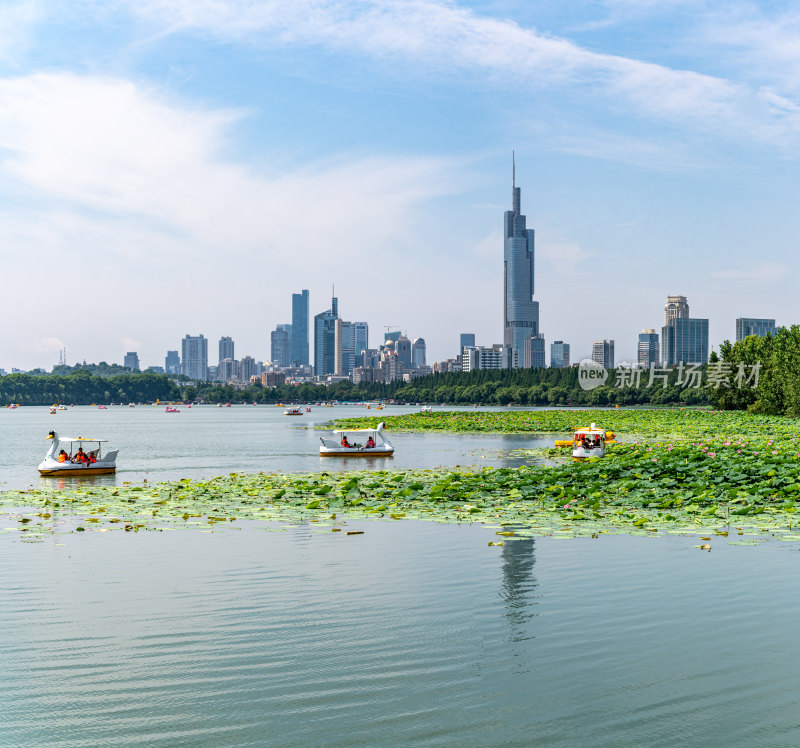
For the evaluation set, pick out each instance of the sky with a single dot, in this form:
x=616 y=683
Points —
x=173 y=167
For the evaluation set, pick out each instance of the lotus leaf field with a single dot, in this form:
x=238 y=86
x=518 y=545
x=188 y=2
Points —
x=730 y=477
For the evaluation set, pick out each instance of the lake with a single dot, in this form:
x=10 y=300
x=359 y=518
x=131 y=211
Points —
x=410 y=634
x=258 y=633
x=205 y=440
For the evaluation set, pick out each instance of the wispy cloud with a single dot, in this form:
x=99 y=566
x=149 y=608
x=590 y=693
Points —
x=447 y=38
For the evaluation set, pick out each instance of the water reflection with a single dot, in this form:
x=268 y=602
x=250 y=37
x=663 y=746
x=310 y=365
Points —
x=518 y=593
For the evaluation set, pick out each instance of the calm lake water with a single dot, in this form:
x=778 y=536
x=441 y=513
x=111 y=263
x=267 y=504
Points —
x=410 y=634
x=265 y=634
x=206 y=441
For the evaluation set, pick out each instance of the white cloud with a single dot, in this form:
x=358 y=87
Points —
x=135 y=223
x=438 y=35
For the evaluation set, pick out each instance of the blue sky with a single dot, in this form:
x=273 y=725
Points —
x=181 y=166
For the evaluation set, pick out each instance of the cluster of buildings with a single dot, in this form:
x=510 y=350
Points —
x=339 y=349
x=683 y=338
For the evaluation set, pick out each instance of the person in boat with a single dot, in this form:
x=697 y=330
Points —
x=62 y=456
x=585 y=442
x=345 y=443
x=91 y=457
x=80 y=456
x=370 y=443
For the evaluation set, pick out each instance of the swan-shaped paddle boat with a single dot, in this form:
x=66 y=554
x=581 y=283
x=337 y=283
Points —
x=588 y=442
x=69 y=464
x=356 y=443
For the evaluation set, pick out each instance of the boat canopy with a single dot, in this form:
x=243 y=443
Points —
x=81 y=439
x=361 y=432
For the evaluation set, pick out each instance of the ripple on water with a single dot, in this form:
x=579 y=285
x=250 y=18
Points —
x=414 y=633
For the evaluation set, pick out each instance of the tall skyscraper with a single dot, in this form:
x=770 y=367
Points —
x=299 y=329
x=325 y=340
x=280 y=345
x=648 y=348
x=418 y=352
x=247 y=369
x=559 y=355
x=676 y=308
x=131 y=361
x=684 y=340
x=603 y=353
x=172 y=363
x=194 y=357
x=225 y=348
x=361 y=337
x=520 y=311
x=751 y=326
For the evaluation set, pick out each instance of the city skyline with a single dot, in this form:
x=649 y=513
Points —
x=180 y=157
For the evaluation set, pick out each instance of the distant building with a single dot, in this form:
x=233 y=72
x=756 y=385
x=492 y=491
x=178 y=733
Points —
x=403 y=350
x=746 y=326
x=392 y=335
x=418 y=351
x=272 y=378
x=248 y=368
x=534 y=352
x=298 y=332
x=280 y=345
x=194 y=357
x=225 y=348
x=172 y=363
x=603 y=353
x=131 y=361
x=476 y=358
x=467 y=338
x=156 y=369
x=648 y=349
x=559 y=355
x=325 y=340
x=677 y=307
x=684 y=340
x=360 y=337
x=520 y=311
x=227 y=370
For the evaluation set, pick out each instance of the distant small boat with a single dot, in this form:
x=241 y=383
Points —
x=293 y=412
x=102 y=407
x=171 y=410
x=308 y=410
x=131 y=405
x=53 y=411
x=425 y=409
x=61 y=407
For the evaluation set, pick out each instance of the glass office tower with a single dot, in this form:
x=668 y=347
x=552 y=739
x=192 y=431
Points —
x=520 y=311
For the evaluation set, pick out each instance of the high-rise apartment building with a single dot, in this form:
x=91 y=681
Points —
x=280 y=345
x=299 y=329
x=248 y=368
x=131 y=361
x=559 y=355
x=520 y=311
x=194 y=357
x=325 y=340
x=603 y=353
x=648 y=348
x=172 y=363
x=676 y=308
x=751 y=326
x=227 y=370
x=684 y=340
x=403 y=349
x=225 y=348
